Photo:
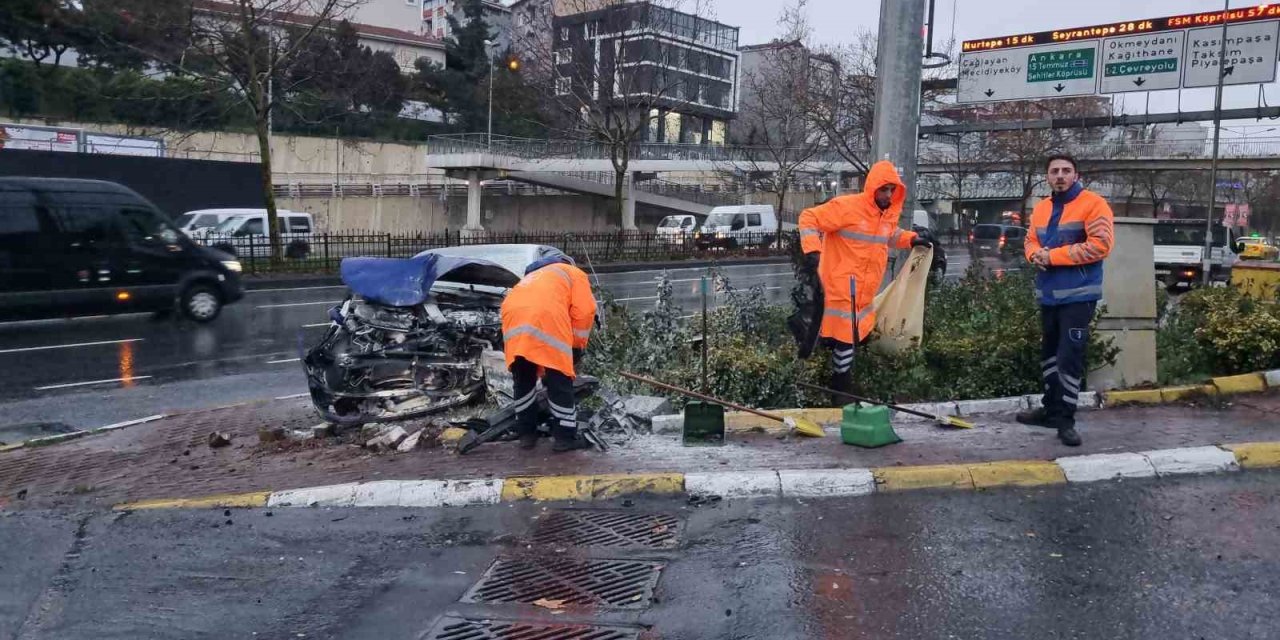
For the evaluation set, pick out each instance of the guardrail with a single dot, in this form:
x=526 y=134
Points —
x=537 y=148
x=323 y=252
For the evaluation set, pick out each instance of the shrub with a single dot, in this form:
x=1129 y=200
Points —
x=981 y=339
x=1217 y=331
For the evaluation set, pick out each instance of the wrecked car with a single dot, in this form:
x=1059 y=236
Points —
x=408 y=339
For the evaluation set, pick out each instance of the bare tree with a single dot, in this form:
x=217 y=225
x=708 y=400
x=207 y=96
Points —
x=612 y=82
x=847 y=127
x=247 y=48
x=780 y=94
x=967 y=165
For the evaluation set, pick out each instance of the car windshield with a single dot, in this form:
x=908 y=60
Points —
x=1187 y=235
x=722 y=219
x=670 y=223
x=184 y=219
x=987 y=231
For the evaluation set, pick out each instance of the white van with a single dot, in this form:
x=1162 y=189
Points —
x=245 y=234
x=208 y=219
x=739 y=225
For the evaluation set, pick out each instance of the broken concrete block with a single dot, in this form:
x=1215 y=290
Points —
x=646 y=407
x=389 y=439
x=410 y=443
x=372 y=430
x=322 y=430
x=219 y=439
x=451 y=436
x=299 y=435
x=269 y=435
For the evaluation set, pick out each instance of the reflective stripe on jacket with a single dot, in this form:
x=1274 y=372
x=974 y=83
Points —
x=1076 y=227
x=548 y=315
x=854 y=236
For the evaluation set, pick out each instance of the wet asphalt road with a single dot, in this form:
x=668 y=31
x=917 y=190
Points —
x=1194 y=557
x=63 y=375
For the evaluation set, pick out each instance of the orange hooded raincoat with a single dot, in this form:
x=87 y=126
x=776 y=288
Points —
x=548 y=315
x=854 y=236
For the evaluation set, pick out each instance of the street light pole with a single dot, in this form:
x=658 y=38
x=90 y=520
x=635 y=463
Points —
x=488 y=54
x=1207 y=259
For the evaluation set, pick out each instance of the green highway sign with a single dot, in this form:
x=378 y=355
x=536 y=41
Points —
x=1058 y=66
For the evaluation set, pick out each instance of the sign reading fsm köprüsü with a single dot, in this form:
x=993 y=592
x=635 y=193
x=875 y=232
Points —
x=1139 y=55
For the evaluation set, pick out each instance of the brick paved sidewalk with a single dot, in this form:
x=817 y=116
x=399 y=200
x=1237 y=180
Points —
x=171 y=457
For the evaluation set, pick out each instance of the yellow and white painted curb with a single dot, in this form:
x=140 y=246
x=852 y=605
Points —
x=763 y=483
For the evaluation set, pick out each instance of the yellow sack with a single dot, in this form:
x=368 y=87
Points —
x=900 y=307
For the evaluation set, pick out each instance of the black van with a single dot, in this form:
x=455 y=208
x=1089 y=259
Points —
x=86 y=247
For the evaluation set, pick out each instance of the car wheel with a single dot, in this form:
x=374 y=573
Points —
x=297 y=250
x=201 y=303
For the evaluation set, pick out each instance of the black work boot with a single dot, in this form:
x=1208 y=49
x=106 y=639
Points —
x=1035 y=418
x=842 y=382
x=1068 y=436
x=568 y=440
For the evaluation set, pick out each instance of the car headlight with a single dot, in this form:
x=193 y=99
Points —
x=233 y=265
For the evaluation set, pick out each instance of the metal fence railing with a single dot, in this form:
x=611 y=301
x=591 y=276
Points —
x=323 y=252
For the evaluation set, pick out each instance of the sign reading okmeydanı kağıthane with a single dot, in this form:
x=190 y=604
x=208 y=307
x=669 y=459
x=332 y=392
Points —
x=1139 y=55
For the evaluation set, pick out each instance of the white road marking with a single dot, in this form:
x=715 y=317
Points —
x=732 y=278
x=90 y=382
x=284 y=361
x=130 y=423
x=294 y=304
x=336 y=286
x=318 y=324
x=69 y=346
x=634 y=299
x=294 y=396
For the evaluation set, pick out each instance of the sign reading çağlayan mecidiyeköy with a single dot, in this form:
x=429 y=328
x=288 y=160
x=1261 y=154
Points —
x=1144 y=55
x=1251 y=54
x=1048 y=71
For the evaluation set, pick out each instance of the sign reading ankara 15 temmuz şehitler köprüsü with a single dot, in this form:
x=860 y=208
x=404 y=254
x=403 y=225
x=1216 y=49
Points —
x=1137 y=55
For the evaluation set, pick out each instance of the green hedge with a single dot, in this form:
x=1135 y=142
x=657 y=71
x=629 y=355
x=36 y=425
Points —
x=981 y=340
x=1216 y=331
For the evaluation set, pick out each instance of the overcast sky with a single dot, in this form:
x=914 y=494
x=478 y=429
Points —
x=837 y=20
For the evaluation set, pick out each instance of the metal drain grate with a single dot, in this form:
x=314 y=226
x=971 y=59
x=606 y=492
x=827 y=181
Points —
x=466 y=629
x=620 y=584
x=585 y=528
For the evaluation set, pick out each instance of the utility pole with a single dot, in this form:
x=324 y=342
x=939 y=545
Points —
x=899 y=63
x=1206 y=261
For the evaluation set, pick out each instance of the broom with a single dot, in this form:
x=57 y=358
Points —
x=951 y=421
x=802 y=426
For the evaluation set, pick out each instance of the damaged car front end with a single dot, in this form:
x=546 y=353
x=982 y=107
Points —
x=408 y=340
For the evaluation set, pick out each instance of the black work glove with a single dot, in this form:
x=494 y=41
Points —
x=577 y=356
x=811 y=260
x=922 y=241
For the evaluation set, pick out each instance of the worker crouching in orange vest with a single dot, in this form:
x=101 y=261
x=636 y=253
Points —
x=846 y=238
x=546 y=321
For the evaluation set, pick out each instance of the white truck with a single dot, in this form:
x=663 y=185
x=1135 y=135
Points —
x=1179 y=252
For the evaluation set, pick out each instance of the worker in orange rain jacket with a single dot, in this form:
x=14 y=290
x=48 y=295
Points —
x=849 y=237
x=546 y=320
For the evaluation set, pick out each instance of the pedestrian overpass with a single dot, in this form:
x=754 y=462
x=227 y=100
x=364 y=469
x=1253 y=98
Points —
x=585 y=166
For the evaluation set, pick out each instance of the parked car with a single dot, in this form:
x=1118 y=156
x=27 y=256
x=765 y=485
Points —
x=1257 y=248
x=245 y=234
x=87 y=247
x=678 y=226
x=997 y=240
x=738 y=225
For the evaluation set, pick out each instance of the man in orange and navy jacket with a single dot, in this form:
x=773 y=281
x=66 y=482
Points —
x=1071 y=234
x=847 y=238
x=546 y=321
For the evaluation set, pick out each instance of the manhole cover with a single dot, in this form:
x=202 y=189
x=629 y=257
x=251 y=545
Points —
x=585 y=528
x=465 y=629
x=621 y=584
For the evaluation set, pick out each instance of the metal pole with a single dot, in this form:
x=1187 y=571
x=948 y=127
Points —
x=1206 y=261
x=489 y=137
x=705 y=388
x=898 y=70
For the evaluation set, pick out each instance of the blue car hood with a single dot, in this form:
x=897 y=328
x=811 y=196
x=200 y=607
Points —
x=404 y=282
